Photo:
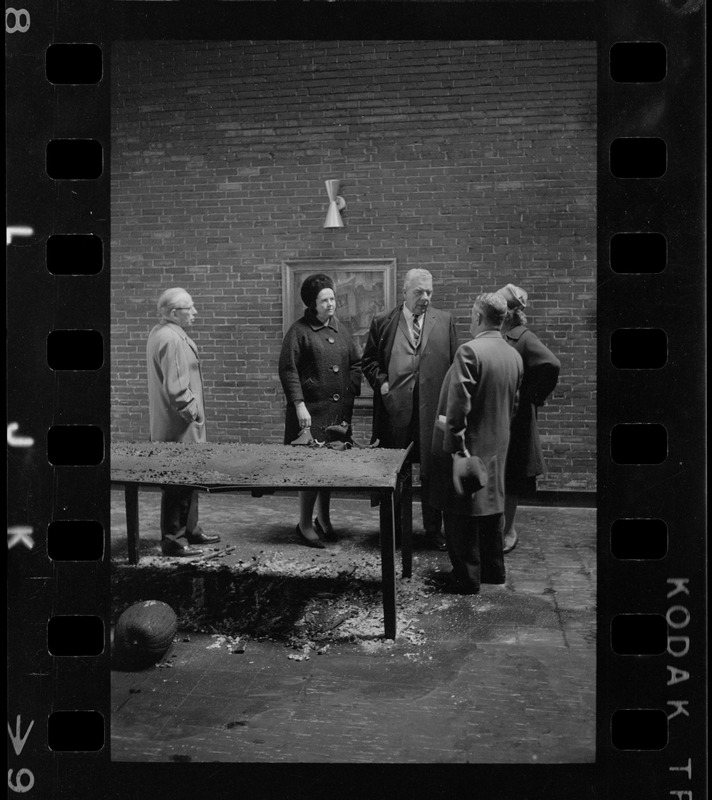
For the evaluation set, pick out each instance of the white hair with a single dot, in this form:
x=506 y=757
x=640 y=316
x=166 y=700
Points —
x=413 y=275
x=492 y=306
x=168 y=299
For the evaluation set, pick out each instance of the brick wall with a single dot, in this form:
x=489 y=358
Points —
x=475 y=160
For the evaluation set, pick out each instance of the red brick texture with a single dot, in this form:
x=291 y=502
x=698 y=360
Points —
x=475 y=160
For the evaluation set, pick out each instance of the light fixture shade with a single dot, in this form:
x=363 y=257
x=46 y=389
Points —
x=336 y=204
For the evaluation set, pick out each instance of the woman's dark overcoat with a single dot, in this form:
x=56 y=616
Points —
x=320 y=365
x=525 y=459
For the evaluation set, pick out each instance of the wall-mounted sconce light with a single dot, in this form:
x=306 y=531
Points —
x=336 y=204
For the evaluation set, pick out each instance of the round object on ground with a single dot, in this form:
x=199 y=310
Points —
x=144 y=632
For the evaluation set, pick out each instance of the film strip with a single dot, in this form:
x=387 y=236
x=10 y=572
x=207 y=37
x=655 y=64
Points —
x=651 y=662
x=652 y=633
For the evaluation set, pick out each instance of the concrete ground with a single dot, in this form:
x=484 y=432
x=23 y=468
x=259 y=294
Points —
x=280 y=655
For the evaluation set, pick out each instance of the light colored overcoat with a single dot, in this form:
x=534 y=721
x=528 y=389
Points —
x=175 y=386
x=477 y=401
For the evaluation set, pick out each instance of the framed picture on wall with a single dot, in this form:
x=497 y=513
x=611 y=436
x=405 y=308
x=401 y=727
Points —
x=364 y=287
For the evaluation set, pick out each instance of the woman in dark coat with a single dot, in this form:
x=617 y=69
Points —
x=525 y=459
x=320 y=371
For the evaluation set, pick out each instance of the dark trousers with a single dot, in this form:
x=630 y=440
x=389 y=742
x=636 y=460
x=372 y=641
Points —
x=401 y=438
x=432 y=517
x=179 y=514
x=475 y=548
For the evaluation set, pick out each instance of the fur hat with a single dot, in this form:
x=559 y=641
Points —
x=312 y=285
x=515 y=297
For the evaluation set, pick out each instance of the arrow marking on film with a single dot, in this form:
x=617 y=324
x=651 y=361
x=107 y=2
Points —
x=20 y=533
x=18 y=740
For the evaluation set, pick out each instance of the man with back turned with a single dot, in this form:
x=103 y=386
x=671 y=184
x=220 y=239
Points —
x=476 y=404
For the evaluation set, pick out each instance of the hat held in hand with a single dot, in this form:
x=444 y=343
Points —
x=515 y=297
x=469 y=474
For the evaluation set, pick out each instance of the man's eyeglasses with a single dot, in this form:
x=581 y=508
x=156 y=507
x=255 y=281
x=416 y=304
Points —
x=183 y=308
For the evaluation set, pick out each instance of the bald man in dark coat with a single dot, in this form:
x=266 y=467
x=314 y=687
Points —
x=475 y=409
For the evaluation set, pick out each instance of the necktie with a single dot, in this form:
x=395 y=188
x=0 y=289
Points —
x=416 y=329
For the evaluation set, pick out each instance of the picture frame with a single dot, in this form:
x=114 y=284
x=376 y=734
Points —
x=364 y=287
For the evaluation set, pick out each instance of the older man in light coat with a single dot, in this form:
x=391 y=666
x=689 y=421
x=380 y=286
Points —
x=176 y=414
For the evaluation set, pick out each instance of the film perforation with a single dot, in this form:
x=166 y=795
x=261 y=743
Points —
x=75 y=635
x=639 y=348
x=640 y=252
x=74 y=63
x=639 y=443
x=638 y=62
x=637 y=729
x=78 y=730
x=638 y=157
x=75 y=445
x=639 y=539
x=75 y=350
x=75 y=540
x=79 y=254
x=74 y=159
x=639 y=634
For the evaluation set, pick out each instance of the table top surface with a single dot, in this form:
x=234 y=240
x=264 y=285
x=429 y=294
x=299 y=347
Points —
x=215 y=466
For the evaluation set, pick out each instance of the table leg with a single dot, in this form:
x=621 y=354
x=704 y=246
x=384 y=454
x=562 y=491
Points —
x=131 y=494
x=406 y=516
x=388 y=562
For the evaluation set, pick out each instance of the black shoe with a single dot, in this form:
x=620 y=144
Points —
x=176 y=550
x=447 y=582
x=513 y=543
x=202 y=538
x=310 y=542
x=328 y=535
x=435 y=541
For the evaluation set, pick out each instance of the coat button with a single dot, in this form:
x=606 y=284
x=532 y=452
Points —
x=331 y=340
x=335 y=368
x=336 y=398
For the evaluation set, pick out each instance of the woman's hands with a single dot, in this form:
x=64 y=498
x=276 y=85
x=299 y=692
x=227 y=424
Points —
x=303 y=415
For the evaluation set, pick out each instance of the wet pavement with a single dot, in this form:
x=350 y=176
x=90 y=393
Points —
x=280 y=656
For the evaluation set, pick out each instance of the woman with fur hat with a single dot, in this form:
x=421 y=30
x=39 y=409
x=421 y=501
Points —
x=525 y=458
x=320 y=371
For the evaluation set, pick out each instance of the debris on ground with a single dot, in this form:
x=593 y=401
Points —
x=302 y=655
x=308 y=600
x=232 y=644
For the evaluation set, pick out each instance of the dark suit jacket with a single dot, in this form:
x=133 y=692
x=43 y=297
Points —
x=477 y=400
x=438 y=346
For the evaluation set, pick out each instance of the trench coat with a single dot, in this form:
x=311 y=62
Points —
x=320 y=365
x=437 y=348
x=525 y=459
x=175 y=386
x=477 y=402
